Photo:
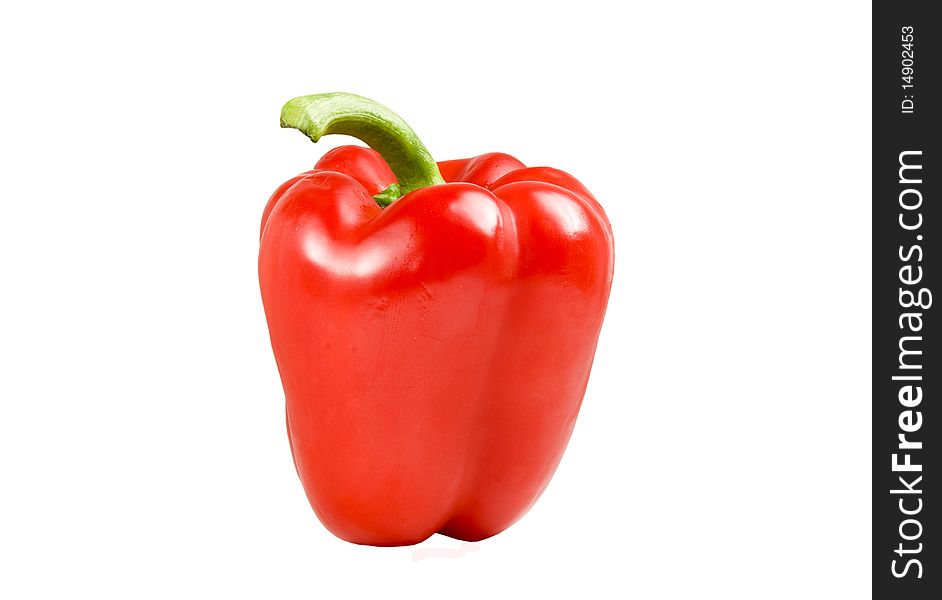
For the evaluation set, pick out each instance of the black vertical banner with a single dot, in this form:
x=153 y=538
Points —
x=907 y=383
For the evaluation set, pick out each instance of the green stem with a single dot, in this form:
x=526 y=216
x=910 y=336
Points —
x=382 y=130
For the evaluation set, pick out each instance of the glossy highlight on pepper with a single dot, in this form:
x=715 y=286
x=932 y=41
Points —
x=434 y=325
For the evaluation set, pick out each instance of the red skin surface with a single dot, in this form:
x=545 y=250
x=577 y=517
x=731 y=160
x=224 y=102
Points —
x=434 y=354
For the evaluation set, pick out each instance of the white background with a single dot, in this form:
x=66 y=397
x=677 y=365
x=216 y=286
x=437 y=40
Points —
x=723 y=449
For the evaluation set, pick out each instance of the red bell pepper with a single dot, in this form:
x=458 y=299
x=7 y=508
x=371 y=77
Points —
x=433 y=325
